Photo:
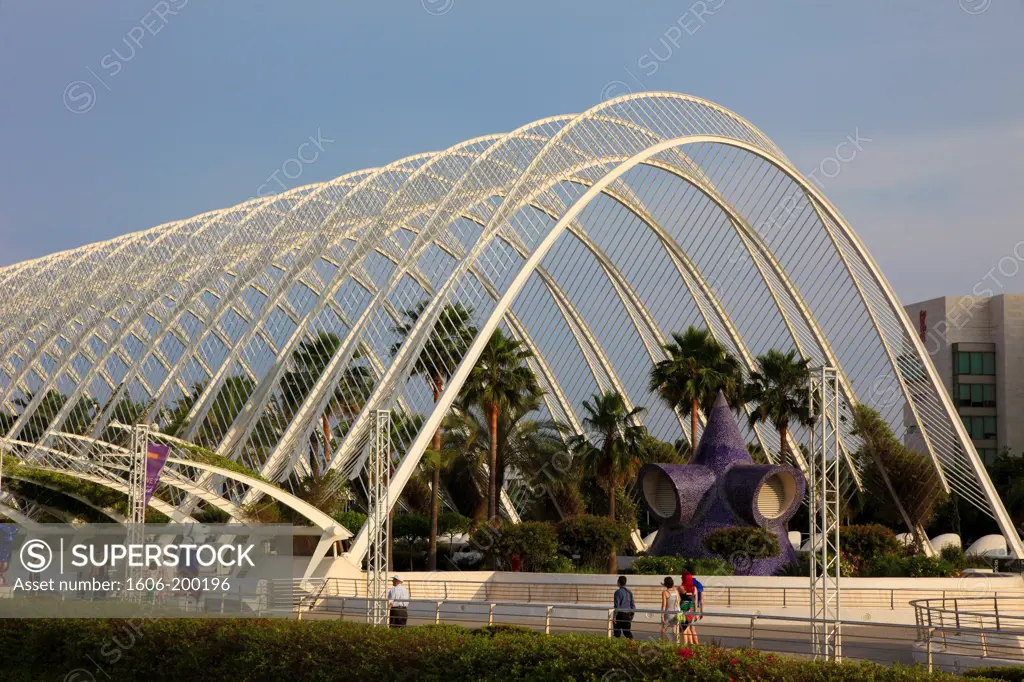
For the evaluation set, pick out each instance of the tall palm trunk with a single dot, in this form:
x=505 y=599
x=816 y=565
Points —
x=784 y=444
x=693 y=426
x=492 y=462
x=327 y=439
x=435 y=484
x=613 y=564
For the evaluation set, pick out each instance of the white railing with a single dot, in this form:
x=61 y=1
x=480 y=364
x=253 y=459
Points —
x=754 y=597
x=935 y=647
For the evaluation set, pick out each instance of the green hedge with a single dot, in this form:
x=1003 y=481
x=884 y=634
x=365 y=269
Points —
x=592 y=538
x=534 y=542
x=742 y=544
x=1009 y=674
x=868 y=541
x=674 y=565
x=916 y=566
x=240 y=650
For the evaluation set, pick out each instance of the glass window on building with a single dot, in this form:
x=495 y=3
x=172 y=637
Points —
x=976 y=395
x=990 y=428
x=979 y=364
x=980 y=428
x=988 y=455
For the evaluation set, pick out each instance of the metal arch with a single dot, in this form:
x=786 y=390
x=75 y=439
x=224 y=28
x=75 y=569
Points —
x=18 y=517
x=498 y=217
x=198 y=289
x=35 y=505
x=618 y=128
x=116 y=483
x=249 y=277
x=311 y=513
x=1006 y=524
x=140 y=311
x=415 y=450
x=261 y=393
x=98 y=316
x=198 y=412
x=251 y=414
x=106 y=511
x=354 y=339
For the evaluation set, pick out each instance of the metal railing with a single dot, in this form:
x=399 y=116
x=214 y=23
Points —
x=760 y=596
x=937 y=647
x=999 y=613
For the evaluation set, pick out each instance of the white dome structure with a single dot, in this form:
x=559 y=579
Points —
x=991 y=546
x=940 y=542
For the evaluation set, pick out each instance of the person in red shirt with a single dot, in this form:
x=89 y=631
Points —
x=516 y=562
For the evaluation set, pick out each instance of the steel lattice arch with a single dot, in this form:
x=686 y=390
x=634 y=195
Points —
x=589 y=237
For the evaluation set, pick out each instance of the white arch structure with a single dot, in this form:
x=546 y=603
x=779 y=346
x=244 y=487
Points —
x=590 y=237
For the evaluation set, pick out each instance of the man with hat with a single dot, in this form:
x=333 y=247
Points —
x=398 y=603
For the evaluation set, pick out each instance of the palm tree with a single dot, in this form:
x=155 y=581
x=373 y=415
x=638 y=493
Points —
x=450 y=338
x=613 y=446
x=778 y=392
x=311 y=359
x=500 y=380
x=697 y=367
x=524 y=444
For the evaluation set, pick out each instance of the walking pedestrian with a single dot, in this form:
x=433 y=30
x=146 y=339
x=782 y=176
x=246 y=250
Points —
x=398 y=603
x=688 y=608
x=669 y=611
x=625 y=609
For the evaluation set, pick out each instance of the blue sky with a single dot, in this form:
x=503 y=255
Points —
x=207 y=103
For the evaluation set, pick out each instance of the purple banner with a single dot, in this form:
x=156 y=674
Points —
x=156 y=457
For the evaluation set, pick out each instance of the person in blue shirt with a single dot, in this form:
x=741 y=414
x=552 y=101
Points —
x=7 y=533
x=625 y=608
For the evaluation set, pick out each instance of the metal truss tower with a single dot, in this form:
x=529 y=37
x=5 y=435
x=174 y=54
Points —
x=136 y=534
x=378 y=506
x=824 y=464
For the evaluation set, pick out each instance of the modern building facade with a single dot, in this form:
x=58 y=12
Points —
x=275 y=332
x=977 y=345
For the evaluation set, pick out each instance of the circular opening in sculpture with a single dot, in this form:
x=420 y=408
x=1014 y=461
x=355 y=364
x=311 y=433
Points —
x=660 y=493
x=776 y=495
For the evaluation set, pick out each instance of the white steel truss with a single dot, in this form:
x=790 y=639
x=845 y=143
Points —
x=825 y=493
x=590 y=237
x=377 y=507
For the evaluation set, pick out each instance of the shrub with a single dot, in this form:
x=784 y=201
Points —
x=534 y=541
x=453 y=523
x=916 y=566
x=560 y=564
x=1007 y=673
x=961 y=560
x=351 y=520
x=212 y=515
x=868 y=541
x=182 y=649
x=593 y=538
x=742 y=545
x=674 y=565
x=410 y=527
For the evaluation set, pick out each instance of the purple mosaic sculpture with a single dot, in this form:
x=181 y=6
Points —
x=722 y=487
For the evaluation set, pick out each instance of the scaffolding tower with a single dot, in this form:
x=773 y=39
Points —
x=824 y=464
x=136 y=534
x=377 y=508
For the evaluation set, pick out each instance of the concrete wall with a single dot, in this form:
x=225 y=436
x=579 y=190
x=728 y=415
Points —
x=1007 y=318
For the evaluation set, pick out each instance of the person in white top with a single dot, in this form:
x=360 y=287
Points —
x=398 y=603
